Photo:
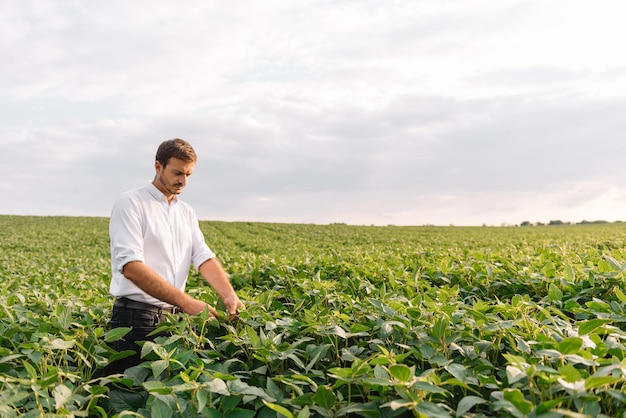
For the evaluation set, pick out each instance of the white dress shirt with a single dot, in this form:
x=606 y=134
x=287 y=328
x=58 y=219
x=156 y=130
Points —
x=166 y=237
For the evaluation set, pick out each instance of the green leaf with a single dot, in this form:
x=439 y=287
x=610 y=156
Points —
x=439 y=329
x=30 y=369
x=591 y=278
x=516 y=397
x=305 y=413
x=50 y=377
x=613 y=263
x=211 y=413
x=225 y=377
x=617 y=395
x=589 y=326
x=620 y=295
x=65 y=317
x=600 y=381
x=569 y=273
x=316 y=353
x=11 y=357
x=274 y=390
x=280 y=409
x=372 y=382
x=570 y=345
x=158 y=367
x=402 y=372
x=340 y=332
x=217 y=386
x=341 y=373
x=13 y=397
x=303 y=400
x=230 y=402
x=359 y=409
x=570 y=373
x=152 y=347
x=256 y=391
x=599 y=306
x=395 y=405
x=554 y=293
x=122 y=400
x=240 y=413
x=415 y=312
x=60 y=344
x=548 y=269
x=428 y=387
x=514 y=373
x=116 y=334
x=605 y=267
x=325 y=397
x=202 y=399
x=255 y=341
x=155 y=386
x=431 y=410
x=468 y=403
x=121 y=355
x=161 y=409
x=457 y=370
x=548 y=405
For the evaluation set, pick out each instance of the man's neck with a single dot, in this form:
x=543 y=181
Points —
x=167 y=195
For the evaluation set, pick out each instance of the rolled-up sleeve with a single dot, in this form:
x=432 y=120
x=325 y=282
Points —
x=200 y=250
x=125 y=230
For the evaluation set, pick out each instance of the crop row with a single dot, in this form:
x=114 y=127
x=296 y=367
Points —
x=340 y=321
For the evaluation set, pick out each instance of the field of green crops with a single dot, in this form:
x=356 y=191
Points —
x=340 y=321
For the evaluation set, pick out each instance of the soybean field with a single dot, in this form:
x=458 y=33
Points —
x=340 y=321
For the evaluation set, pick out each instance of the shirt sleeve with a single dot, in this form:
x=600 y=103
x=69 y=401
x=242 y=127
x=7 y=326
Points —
x=200 y=250
x=125 y=231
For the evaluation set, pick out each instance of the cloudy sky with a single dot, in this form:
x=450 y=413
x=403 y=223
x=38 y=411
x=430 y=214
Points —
x=405 y=112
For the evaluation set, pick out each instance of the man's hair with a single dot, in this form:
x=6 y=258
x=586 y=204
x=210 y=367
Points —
x=175 y=148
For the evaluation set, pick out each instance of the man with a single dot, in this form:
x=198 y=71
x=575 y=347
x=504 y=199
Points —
x=155 y=238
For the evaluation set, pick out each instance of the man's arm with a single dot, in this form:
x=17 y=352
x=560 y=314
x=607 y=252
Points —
x=218 y=279
x=150 y=282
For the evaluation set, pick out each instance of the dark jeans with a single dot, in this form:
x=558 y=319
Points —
x=142 y=322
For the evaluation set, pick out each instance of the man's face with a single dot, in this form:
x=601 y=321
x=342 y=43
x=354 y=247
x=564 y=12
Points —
x=172 y=178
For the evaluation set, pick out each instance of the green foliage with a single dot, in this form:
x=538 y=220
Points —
x=340 y=321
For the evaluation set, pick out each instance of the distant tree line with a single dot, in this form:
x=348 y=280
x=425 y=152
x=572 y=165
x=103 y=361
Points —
x=559 y=222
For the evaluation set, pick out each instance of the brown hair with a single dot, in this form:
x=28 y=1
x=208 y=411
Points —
x=175 y=148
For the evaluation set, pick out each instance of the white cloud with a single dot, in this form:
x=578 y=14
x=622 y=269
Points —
x=319 y=111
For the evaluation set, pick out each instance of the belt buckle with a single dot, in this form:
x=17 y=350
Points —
x=173 y=309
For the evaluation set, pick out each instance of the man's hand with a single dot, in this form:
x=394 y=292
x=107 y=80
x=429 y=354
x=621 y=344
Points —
x=233 y=304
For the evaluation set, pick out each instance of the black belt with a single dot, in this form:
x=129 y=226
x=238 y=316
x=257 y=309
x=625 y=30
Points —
x=133 y=304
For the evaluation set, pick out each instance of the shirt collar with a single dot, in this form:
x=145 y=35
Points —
x=158 y=195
